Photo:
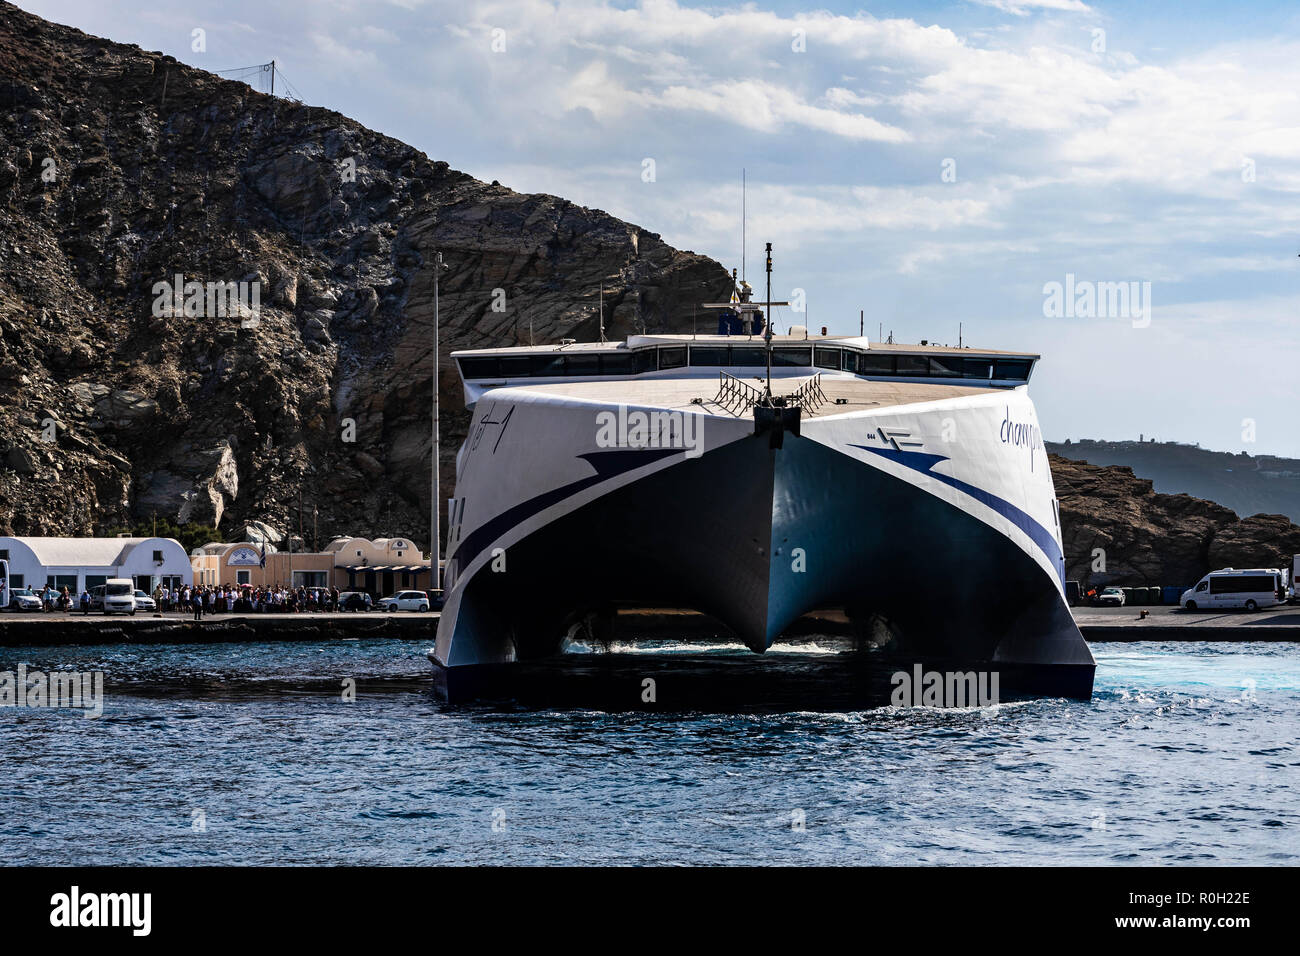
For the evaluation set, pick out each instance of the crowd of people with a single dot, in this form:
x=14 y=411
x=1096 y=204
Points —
x=242 y=599
x=214 y=599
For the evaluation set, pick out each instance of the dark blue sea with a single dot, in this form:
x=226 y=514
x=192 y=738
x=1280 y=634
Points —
x=248 y=754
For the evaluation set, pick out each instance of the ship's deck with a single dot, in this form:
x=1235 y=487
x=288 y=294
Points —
x=681 y=393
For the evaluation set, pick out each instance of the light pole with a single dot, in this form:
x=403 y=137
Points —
x=435 y=548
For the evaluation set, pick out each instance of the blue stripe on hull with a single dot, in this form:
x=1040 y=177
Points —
x=924 y=463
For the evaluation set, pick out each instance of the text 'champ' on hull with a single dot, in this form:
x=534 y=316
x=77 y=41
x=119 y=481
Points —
x=757 y=478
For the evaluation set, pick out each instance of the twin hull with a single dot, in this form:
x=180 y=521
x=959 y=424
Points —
x=933 y=525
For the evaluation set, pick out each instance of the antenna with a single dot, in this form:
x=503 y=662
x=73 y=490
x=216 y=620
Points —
x=767 y=332
x=742 y=224
x=958 y=335
x=862 y=317
x=602 y=312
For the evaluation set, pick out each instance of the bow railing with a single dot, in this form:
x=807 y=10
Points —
x=738 y=397
x=808 y=396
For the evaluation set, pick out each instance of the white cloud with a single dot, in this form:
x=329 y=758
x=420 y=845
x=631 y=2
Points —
x=1022 y=8
x=767 y=107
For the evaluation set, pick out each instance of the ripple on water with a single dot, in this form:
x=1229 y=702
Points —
x=1187 y=753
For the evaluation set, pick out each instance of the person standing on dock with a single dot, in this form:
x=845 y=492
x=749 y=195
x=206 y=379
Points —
x=196 y=601
x=85 y=601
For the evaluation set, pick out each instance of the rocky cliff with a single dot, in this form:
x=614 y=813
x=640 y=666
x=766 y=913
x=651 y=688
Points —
x=1147 y=538
x=1248 y=484
x=122 y=169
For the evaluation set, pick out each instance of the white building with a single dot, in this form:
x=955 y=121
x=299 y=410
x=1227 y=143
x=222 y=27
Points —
x=82 y=563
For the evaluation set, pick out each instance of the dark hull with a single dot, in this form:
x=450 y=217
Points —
x=923 y=580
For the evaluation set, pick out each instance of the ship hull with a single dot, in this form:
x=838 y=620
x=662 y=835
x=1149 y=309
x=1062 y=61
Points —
x=932 y=569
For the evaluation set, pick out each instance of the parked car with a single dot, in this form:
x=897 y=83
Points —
x=144 y=602
x=405 y=601
x=355 y=601
x=1111 y=597
x=23 y=599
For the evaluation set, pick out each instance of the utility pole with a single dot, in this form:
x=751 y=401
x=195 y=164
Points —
x=435 y=547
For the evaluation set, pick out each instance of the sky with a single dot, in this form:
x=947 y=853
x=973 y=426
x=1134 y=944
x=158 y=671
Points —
x=1002 y=170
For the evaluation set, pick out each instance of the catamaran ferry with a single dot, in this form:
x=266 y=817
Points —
x=757 y=477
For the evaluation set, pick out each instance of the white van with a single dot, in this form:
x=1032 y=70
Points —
x=1251 y=588
x=114 y=596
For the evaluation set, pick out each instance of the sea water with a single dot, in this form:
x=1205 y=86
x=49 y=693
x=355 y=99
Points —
x=337 y=752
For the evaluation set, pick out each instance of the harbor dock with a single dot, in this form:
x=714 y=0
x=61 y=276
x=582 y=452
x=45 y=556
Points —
x=1097 y=625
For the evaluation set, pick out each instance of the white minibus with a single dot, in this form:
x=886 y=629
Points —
x=1251 y=588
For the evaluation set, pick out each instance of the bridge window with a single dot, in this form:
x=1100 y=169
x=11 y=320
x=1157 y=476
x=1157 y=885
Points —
x=791 y=356
x=645 y=360
x=619 y=363
x=980 y=368
x=875 y=365
x=913 y=366
x=710 y=355
x=945 y=366
x=582 y=365
x=516 y=366
x=546 y=366
x=828 y=358
x=674 y=357
x=484 y=367
x=748 y=356
x=1016 y=370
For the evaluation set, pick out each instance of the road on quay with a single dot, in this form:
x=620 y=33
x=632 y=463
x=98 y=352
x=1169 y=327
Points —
x=1173 y=616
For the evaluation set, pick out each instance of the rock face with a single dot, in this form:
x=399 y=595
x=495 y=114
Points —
x=300 y=368
x=1153 y=539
